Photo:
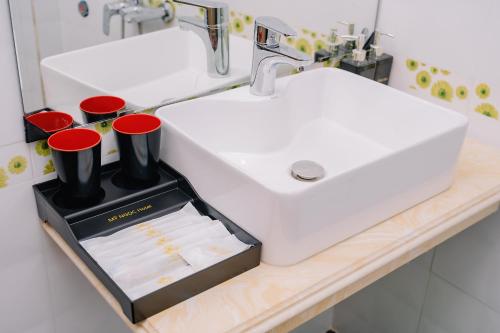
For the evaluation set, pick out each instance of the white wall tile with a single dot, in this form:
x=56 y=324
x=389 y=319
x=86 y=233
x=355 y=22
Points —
x=25 y=294
x=77 y=306
x=24 y=283
x=471 y=261
x=438 y=33
x=320 y=324
x=15 y=164
x=484 y=129
x=314 y=14
x=45 y=327
x=48 y=27
x=390 y=305
x=11 y=123
x=26 y=51
x=449 y=310
x=20 y=232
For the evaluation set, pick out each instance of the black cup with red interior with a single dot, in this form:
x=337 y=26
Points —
x=77 y=158
x=138 y=137
x=99 y=108
x=50 y=121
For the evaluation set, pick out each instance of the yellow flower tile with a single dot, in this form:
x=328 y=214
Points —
x=483 y=91
x=487 y=110
x=42 y=148
x=303 y=45
x=17 y=165
x=462 y=92
x=3 y=178
x=442 y=90
x=49 y=167
x=411 y=64
x=319 y=45
x=238 y=25
x=424 y=79
x=103 y=127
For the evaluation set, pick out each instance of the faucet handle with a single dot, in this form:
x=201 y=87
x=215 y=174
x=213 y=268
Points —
x=109 y=10
x=268 y=31
x=216 y=12
x=379 y=34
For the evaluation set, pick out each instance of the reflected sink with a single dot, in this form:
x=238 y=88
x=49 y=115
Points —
x=146 y=70
x=382 y=151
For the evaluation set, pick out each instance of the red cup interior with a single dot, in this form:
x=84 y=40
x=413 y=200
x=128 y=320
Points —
x=75 y=139
x=137 y=124
x=102 y=104
x=51 y=121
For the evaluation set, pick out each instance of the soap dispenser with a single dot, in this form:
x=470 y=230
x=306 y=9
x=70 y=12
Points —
x=346 y=44
x=332 y=52
x=358 y=63
x=383 y=60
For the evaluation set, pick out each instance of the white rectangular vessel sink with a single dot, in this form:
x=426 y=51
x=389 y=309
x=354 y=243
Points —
x=382 y=152
x=146 y=70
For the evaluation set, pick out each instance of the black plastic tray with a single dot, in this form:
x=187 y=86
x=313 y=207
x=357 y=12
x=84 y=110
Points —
x=122 y=207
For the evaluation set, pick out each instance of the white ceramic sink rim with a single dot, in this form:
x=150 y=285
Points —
x=301 y=187
x=405 y=152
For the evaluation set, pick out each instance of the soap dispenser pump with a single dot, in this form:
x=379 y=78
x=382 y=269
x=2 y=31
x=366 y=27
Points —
x=383 y=60
x=346 y=44
x=358 y=63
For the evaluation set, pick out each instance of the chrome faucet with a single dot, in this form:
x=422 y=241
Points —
x=134 y=11
x=268 y=54
x=213 y=31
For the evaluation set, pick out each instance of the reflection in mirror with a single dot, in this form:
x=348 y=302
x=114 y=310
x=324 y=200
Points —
x=70 y=51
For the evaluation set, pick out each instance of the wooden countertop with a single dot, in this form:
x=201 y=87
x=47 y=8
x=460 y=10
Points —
x=278 y=299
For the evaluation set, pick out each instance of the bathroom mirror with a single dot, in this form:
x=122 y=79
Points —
x=69 y=50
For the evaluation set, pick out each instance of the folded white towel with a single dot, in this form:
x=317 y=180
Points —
x=150 y=255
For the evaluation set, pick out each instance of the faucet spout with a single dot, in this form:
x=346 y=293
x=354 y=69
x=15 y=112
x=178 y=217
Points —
x=269 y=54
x=213 y=31
x=216 y=41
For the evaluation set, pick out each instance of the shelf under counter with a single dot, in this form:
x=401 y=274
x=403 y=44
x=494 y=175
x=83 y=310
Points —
x=278 y=299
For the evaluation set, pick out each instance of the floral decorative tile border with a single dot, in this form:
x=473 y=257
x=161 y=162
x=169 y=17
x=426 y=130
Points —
x=15 y=164
x=443 y=86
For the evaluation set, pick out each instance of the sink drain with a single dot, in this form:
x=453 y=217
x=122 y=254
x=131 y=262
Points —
x=308 y=171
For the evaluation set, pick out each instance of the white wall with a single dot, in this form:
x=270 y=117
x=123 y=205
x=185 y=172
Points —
x=456 y=35
x=456 y=288
x=318 y=15
x=41 y=290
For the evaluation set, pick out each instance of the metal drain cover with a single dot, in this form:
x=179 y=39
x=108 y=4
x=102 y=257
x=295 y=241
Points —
x=307 y=171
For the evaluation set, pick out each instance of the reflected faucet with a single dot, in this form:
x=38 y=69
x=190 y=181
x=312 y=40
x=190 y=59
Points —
x=134 y=11
x=213 y=31
x=268 y=54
